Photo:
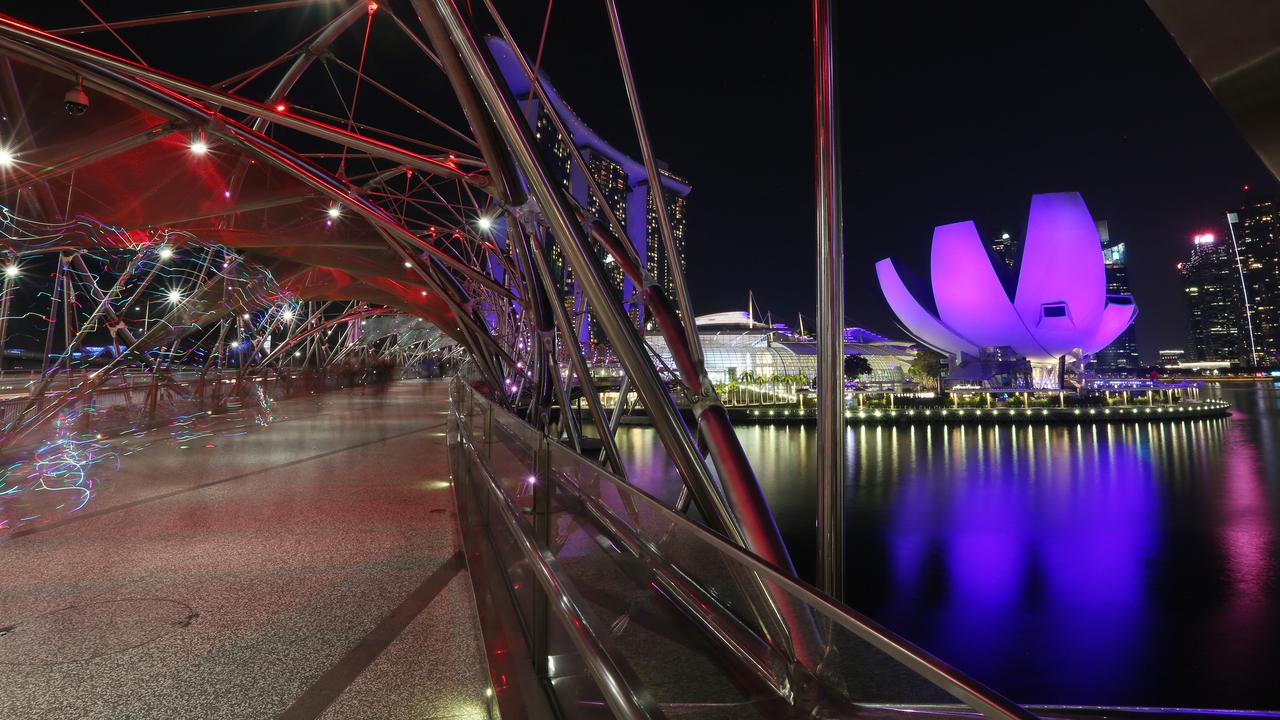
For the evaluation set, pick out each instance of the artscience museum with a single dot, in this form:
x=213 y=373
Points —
x=1052 y=313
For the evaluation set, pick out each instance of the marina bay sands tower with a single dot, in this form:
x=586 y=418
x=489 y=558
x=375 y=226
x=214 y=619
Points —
x=621 y=178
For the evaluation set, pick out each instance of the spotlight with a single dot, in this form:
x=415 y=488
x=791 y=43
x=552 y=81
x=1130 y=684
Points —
x=12 y=271
x=76 y=101
x=485 y=222
x=198 y=145
x=6 y=157
x=166 y=253
x=287 y=314
x=334 y=210
x=174 y=296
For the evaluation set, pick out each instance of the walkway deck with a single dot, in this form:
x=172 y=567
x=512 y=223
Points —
x=310 y=569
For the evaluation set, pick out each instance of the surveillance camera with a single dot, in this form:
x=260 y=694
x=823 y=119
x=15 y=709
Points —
x=76 y=101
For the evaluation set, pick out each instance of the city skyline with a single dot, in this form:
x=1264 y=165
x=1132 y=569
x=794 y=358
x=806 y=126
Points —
x=1101 y=101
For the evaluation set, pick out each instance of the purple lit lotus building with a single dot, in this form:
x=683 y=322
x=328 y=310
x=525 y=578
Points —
x=1059 y=307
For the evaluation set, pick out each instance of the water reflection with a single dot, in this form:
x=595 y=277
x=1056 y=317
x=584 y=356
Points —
x=1130 y=563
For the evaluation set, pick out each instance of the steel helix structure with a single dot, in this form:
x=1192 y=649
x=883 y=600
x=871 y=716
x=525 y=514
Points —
x=362 y=182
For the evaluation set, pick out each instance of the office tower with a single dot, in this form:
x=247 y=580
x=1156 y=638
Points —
x=1253 y=231
x=1212 y=284
x=1005 y=248
x=1122 y=353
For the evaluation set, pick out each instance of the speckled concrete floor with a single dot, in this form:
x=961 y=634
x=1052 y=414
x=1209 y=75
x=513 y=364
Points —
x=307 y=569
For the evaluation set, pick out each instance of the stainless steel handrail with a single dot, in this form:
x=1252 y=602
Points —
x=623 y=700
x=944 y=676
x=939 y=673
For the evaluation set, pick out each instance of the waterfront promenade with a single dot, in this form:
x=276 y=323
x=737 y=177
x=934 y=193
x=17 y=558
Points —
x=310 y=568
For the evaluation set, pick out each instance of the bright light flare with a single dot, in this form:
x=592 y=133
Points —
x=287 y=314
x=174 y=296
x=335 y=211
x=198 y=146
x=485 y=222
x=166 y=253
x=12 y=271
x=6 y=157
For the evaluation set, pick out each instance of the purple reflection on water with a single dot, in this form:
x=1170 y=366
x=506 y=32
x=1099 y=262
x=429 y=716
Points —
x=1125 y=563
x=1026 y=522
x=1246 y=535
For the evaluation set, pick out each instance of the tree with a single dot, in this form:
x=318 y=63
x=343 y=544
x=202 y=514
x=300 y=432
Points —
x=927 y=367
x=855 y=366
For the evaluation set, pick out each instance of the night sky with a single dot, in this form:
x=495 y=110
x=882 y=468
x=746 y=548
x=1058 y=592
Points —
x=950 y=111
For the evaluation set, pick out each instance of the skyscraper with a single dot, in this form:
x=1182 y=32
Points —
x=1122 y=353
x=1005 y=248
x=1211 y=281
x=657 y=262
x=623 y=181
x=1253 y=231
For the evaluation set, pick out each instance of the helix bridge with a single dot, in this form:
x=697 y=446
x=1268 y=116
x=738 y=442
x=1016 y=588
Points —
x=187 y=231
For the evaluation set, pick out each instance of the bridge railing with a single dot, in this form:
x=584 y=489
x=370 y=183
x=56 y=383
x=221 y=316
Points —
x=628 y=603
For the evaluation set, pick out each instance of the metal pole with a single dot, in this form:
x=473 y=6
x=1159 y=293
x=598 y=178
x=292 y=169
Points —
x=1244 y=287
x=4 y=313
x=830 y=330
x=621 y=333
x=656 y=192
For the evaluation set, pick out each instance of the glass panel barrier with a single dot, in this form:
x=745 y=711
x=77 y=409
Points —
x=687 y=620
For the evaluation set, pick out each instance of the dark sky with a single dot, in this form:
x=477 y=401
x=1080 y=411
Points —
x=949 y=111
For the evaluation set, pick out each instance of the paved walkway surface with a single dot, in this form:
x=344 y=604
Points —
x=308 y=569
